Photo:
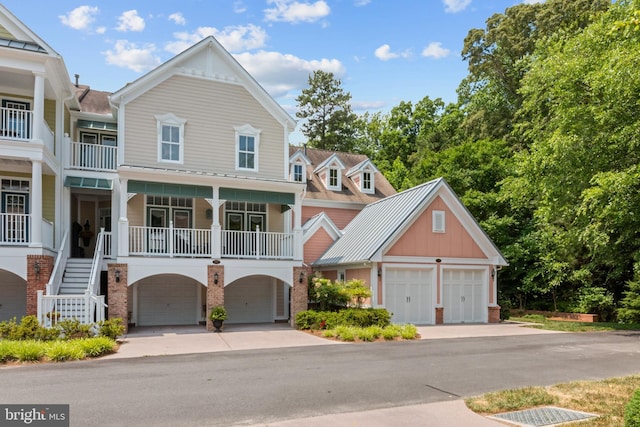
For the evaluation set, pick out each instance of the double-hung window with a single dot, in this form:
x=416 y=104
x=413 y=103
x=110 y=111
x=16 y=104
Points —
x=333 y=179
x=170 y=138
x=366 y=182
x=247 y=144
x=297 y=172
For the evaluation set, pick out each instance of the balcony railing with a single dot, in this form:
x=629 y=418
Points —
x=187 y=242
x=93 y=156
x=15 y=124
x=14 y=229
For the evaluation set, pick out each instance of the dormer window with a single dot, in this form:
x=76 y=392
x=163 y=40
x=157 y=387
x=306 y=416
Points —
x=363 y=176
x=334 y=179
x=298 y=166
x=297 y=173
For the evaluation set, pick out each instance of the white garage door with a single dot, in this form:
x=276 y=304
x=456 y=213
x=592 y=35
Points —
x=409 y=295
x=13 y=297
x=168 y=300
x=464 y=296
x=250 y=300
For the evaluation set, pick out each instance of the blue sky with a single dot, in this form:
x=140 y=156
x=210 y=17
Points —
x=383 y=51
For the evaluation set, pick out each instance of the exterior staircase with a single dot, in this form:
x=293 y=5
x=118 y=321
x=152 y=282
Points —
x=75 y=279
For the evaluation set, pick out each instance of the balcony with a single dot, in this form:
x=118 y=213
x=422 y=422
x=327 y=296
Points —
x=93 y=157
x=185 y=242
x=15 y=230
x=17 y=125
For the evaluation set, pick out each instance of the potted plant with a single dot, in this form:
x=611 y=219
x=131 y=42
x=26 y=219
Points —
x=217 y=316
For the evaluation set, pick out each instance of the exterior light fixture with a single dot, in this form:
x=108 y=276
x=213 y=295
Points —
x=117 y=276
x=301 y=276
x=36 y=268
x=493 y=273
x=215 y=278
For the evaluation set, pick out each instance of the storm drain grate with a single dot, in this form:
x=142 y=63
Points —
x=546 y=416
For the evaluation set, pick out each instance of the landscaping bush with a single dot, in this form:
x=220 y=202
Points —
x=27 y=329
x=111 y=328
x=61 y=351
x=327 y=294
x=595 y=300
x=306 y=319
x=7 y=351
x=409 y=332
x=632 y=411
x=370 y=333
x=73 y=329
x=29 y=351
x=391 y=332
x=364 y=317
x=346 y=333
x=96 y=346
x=357 y=292
x=629 y=311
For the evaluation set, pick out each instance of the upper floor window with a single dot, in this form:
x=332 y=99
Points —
x=366 y=182
x=334 y=180
x=170 y=138
x=297 y=173
x=247 y=144
x=438 y=222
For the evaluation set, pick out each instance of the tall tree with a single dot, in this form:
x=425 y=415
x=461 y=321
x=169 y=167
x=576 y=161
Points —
x=329 y=122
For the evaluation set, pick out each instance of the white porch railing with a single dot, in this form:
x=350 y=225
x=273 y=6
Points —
x=92 y=156
x=15 y=124
x=94 y=277
x=86 y=308
x=14 y=228
x=47 y=234
x=47 y=137
x=108 y=251
x=257 y=244
x=179 y=242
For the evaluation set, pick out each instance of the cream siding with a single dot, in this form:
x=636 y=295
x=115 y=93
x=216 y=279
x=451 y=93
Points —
x=135 y=210
x=49 y=197
x=212 y=110
x=200 y=219
x=276 y=222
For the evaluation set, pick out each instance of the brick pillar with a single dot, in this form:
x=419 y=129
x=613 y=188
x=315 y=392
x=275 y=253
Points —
x=439 y=315
x=299 y=293
x=215 y=291
x=37 y=281
x=494 y=314
x=117 y=296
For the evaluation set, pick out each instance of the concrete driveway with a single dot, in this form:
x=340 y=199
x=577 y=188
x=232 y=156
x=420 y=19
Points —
x=166 y=340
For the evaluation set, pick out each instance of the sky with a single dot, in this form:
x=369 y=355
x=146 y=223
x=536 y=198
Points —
x=383 y=51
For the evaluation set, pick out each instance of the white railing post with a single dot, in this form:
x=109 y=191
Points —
x=87 y=308
x=258 y=242
x=171 y=238
x=40 y=308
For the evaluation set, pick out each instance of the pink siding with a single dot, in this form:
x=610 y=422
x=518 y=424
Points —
x=331 y=275
x=316 y=245
x=420 y=240
x=340 y=217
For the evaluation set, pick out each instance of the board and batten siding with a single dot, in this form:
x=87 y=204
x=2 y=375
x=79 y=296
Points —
x=212 y=110
x=420 y=240
x=316 y=245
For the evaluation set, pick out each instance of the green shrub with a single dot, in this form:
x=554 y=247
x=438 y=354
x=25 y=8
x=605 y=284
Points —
x=111 y=328
x=632 y=411
x=364 y=317
x=391 y=332
x=357 y=292
x=29 y=351
x=9 y=329
x=73 y=329
x=629 y=311
x=370 y=333
x=60 y=351
x=380 y=317
x=327 y=294
x=96 y=346
x=329 y=333
x=306 y=319
x=595 y=300
x=346 y=333
x=7 y=350
x=409 y=332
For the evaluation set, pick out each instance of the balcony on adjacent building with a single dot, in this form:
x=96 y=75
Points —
x=93 y=157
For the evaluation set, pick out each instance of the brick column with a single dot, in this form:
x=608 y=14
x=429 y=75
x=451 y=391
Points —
x=299 y=293
x=37 y=281
x=117 y=296
x=494 y=314
x=215 y=291
x=439 y=315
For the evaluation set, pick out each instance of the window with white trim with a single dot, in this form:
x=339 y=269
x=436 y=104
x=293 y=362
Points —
x=170 y=138
x=438 y=222
x=333 y=179
x=247 y=144
x=298 y=172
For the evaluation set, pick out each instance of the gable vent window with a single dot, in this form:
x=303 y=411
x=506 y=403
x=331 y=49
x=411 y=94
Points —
x=438 y=222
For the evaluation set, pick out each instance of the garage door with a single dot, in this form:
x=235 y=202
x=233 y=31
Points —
x=409 y=295
x=13 y=297
x=464 y=297
x=250 y=300
x=168 y=300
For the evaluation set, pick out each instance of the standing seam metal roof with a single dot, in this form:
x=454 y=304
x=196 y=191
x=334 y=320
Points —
x=375 y=225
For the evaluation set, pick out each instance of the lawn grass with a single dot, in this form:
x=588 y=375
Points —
x=606 y=398
x=541 y=322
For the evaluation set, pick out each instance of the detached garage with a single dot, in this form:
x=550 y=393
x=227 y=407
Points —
x=168 y=299
x=429 y=261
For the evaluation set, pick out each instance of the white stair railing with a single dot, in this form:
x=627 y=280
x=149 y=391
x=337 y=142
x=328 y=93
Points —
x=96 y=265
x=53 y=285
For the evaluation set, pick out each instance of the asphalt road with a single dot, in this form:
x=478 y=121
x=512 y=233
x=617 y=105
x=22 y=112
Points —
x=261 y=386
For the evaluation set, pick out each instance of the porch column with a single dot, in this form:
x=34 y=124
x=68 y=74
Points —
x=36 y=203
x=215 y=290
x=297 y=228
x=216 y=250
x=38 y=106
x=115 y=218
x=123 y=221
x=117 y=296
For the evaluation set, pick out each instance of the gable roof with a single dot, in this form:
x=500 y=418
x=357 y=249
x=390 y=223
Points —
x=363 y=165
x=321 y=220
x=219 y=65
x=316 y=191
x=331 y=160
x=379 y=223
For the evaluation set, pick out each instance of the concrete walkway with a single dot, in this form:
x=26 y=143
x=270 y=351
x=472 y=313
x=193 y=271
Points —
x=155 y=341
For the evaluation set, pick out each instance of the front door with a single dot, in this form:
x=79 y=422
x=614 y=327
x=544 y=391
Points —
x=157 y=239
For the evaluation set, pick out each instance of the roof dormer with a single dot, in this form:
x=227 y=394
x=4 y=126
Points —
x=298 y=163
x=330 y=172
x=363 y=176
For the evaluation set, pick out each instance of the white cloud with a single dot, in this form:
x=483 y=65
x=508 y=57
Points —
x=128 y=55
x=80 y=18
x=239 y=7
x=359 y=3
x=101 y=30
x=435 y=50
x=453 y=6
x=281 y=73
x=130 y=21
x=293 y=11
x=367 y=105
x=384 y=53
x=178 y=18
x=233 y=38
